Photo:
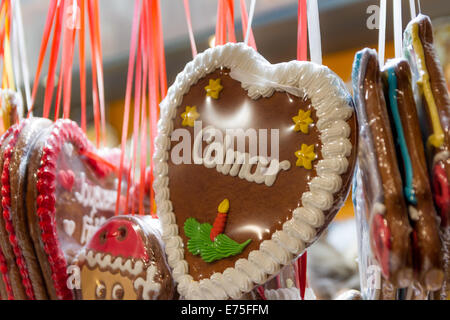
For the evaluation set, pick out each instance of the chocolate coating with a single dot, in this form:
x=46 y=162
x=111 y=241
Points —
x=256 y=210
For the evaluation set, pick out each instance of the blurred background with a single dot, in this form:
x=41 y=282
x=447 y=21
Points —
x=346 y=27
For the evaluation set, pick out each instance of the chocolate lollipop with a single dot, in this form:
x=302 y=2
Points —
x=226 y=102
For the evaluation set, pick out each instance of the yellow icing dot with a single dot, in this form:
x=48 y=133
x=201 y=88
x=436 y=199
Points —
x=305 y=156
x=189 y=116
x=302 y=121
x=214 y=88
x=437 y=138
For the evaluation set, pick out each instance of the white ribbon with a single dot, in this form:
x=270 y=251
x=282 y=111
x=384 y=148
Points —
x=250 y=20
x=398 y=28
x=382 y=32
x=315 y=46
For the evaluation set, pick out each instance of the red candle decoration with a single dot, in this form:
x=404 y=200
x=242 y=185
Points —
x=221 y=219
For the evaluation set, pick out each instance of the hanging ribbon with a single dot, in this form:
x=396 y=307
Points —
x=65 y=18
x=315 y=46
x=250 y=20
x=308 y=19
x=244 y=17
x=150 y=83
x=382 y=32
x=412 y=8
x=302 y=31
x=126 y=114
x=398 y=31
x=189 y=25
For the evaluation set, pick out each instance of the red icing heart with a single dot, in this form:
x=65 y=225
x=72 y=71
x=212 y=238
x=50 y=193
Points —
x=441 y=193
x=381 y=242
x=66 y=179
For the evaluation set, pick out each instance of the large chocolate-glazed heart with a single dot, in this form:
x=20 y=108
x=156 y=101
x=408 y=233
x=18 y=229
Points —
x=308 y=108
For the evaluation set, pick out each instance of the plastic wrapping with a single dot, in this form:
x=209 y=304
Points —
x=433 y=106
x=124 y=260
x=381 y=204
x=398 y=230
x=56 y=191
x=285 y=286
x=284 y=177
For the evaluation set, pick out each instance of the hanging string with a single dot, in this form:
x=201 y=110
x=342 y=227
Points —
x=398 y=28
x=315 y=46
x=244 y=18
x=44 y=42
x=412 y=8
x=382 y=33
x=302 y=31
x=18 y=23
x=160 y=49
x=230 y=21
x=82 y=57
x=126 y=115
x=189 y=25
x=97 y=58
x=250 y=20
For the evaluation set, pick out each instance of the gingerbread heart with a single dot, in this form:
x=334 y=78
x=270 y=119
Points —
x=62 y=199
x=125 y=260
x=233 y=212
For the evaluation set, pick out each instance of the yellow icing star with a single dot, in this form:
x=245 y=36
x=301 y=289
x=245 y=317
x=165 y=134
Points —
x=189 y=116
x=305 y=156
x=302 y=121
x=214 y=88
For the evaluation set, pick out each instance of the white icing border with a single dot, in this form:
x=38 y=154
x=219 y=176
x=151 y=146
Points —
x=331 y=102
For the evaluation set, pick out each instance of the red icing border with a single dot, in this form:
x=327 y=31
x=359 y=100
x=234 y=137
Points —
x=3 y=265
x=6 y=205
x=64 y=130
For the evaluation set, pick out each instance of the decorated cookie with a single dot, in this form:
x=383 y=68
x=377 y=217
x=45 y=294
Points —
x=11 y=281
x=433 y=104
x=427 y=249
x=70 y=193
x=16 y=156
x=276 y=141
x=386 y=213
x=434 y=107
x=125 y=260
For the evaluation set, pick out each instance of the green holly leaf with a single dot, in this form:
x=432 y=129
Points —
x=201 y=244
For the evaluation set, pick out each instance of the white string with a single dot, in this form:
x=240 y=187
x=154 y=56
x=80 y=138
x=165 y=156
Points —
x=412 y=8
x=315 y=46
x=250 y=20
x=22 y=51
x=398 y=28
x=418 y=4
x=382 y=32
